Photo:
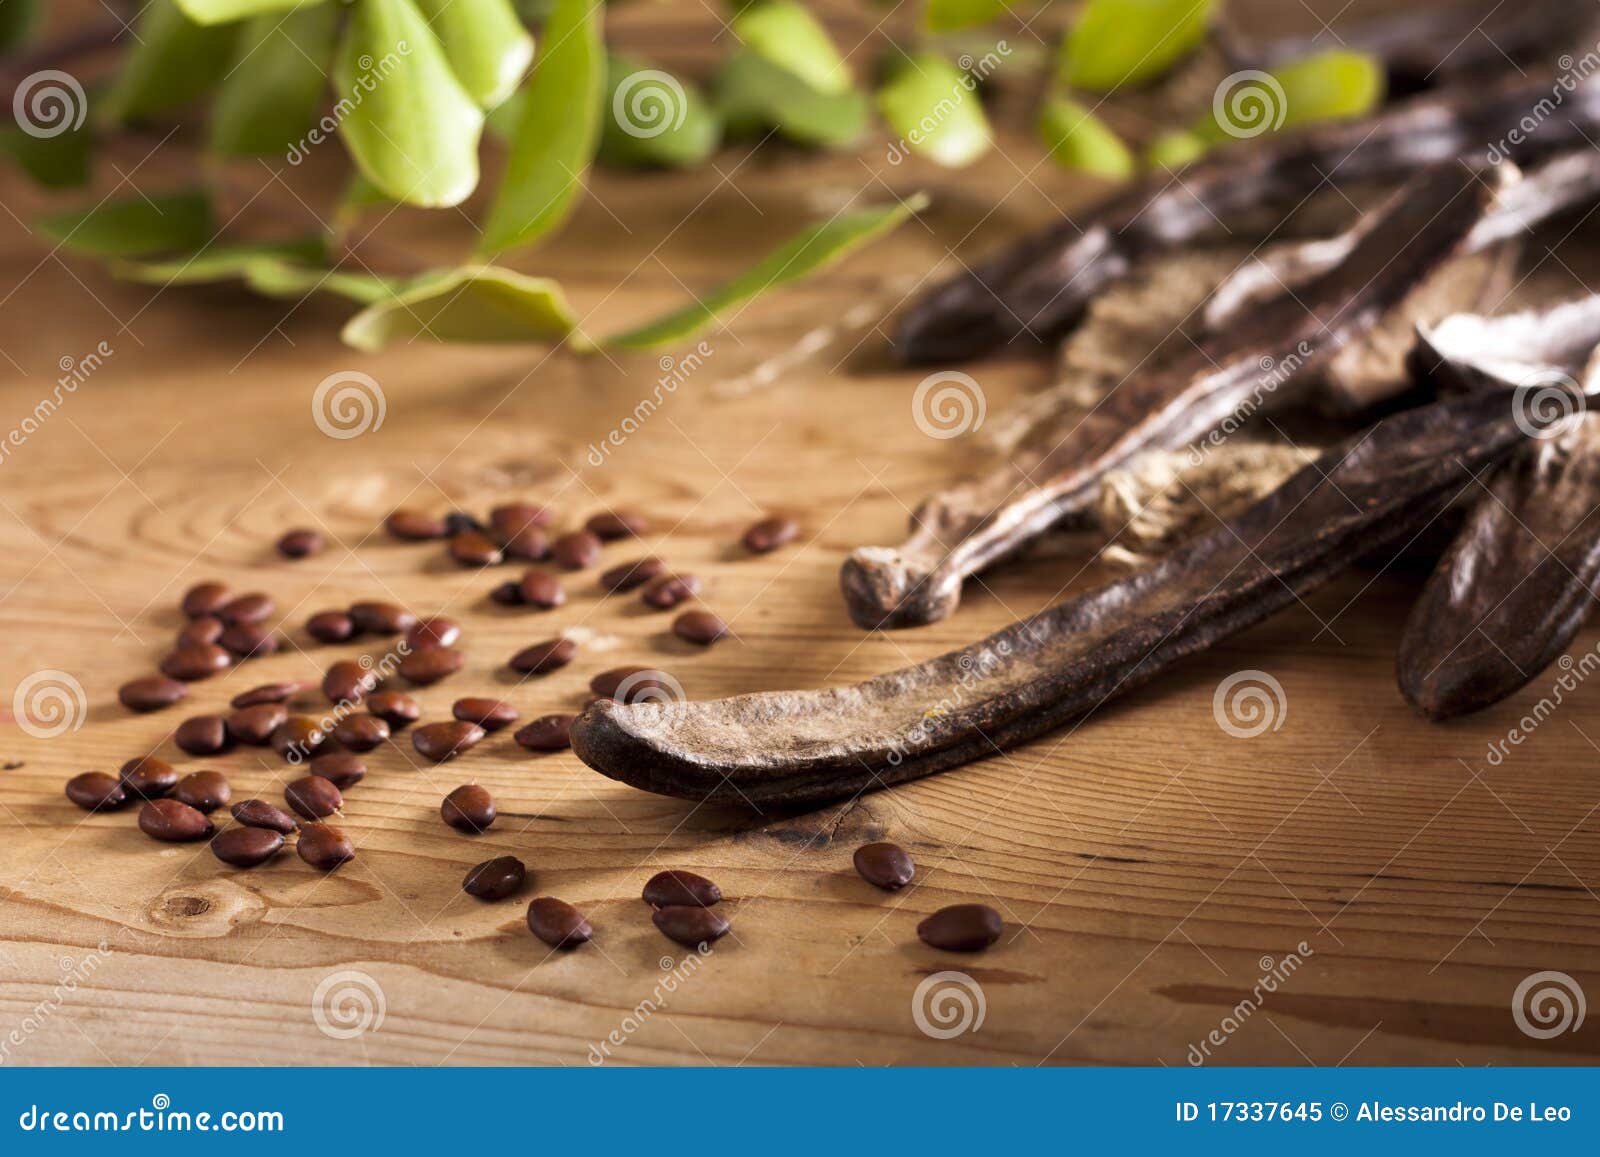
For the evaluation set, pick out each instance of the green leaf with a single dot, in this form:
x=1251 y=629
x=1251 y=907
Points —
x=486 y=44
x=287 y=279
x=476 y=303
x=406 y=120
x=934 y=107
x=753 y=95
x=275 y=269
x=784 y=33
x=1336 y=85
x=816 y=248
x=557 y=134
x=135 y=227
x=172 y=62
x=654 y=118
x=1175 y=148
x=1117 y=42
x=18 y=20
x=59 y=161
x=1077 y=139
x=227 y=11
x=956 y=15
x=271 y=98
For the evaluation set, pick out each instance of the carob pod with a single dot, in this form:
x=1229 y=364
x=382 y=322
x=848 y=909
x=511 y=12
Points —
x=805 y=747
x=1470 y=352
x=1056 y=472
x=1037 y=286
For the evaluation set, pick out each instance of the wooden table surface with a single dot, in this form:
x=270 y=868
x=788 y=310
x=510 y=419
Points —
x=1151 y=868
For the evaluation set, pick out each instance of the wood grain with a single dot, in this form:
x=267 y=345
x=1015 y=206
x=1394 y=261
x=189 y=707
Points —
x=1149 y=866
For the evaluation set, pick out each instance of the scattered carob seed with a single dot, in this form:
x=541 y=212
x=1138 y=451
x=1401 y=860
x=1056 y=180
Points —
x=668 y=590
x=674 y=888
x=546 y=733
x=632 y=574
x=424 y=668
x=635 y=685
x=460 y=522
x=506 y=594
x=495 y=879
x=300 y=544
x=297 y=737
x=197 y=632
x=699 y=627
x=173 y=822
x=269 y=693
x=769 y=534
x=538 y=589
x=489 y=714
x=395 y=708
x=193 y=663
x=313 y=797
x=324 y=846
x=250 y=641
x=254 y=607
x=148 y=777
x=438 y=742
x=360 y=732
x=558 y=923
x=690 y=927
x=884 y=865
x=246 y=847
x=349 y=681
x=255 y=725
x=576 y=550
x=961 y=928
x=474 y=548
x=96 y=791
x=530 y=545
x=205 y=791
x=258 y=813
x=202 y=735
x=542 y=658
x=338 y=768
x=379 y=618
x=610 y=525
x=151 y=693
x=437 y=631
x=469 y=808
x=512 y=518
x=331 y=627
x=204 y=599
x=414 y=526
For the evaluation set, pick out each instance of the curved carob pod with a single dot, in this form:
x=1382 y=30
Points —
x=805 y=747
x=1055 y=471
x=1471 y=352
x=1517 y=583
x=1038 y=286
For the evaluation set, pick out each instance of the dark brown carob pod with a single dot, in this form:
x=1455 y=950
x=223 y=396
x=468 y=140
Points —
x=1056 y=471
x=804 y=747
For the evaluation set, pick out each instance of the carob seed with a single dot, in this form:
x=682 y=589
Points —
x=205 y=791
x=204 y=599
x=635 y=685
x=961 y=928
x=460 y=522
x=439 y=742
x=300 y=544
x=769 y=534
x=151 y=693
x=558 y=923
x=200 y=661
x=378 y=618
x=632 y=574
x=495 y=879
x=331 y=627
x=675 y=888
x=258 y=813
x=246 y=847
x=148 y=777
x=427 y=667
x=254 y=607
x=610 y=525
x=348 y=681
x=324 y=846
x=437 y=631
x=173 y=822
x=699 y=627
x=530 y=545
x=338 y=768
x=255 y=725
x=359 y=732
x=268 y=693
x=96 y=791
x=884 y=865
x=469 y=808
x=668 y=590
x=298 y=737
x=575 y=550
x=512 y=518
x=205 y=629
x=489 y=714
x=473 y=548
x=313 y=797
x=202 y=735
x=542 y=658
x=506 y=594
x=395 y=708
x=414 y=526
x=538 y=589
x=690 y=927
x=546 y=733
x=250 y=641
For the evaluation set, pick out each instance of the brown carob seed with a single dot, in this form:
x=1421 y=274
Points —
x=331 y=627
x=246 y=847
x=379 y=618
x=469 y=808
x=489 y=714
x=173 y=822
x=558 y=923
x=395 y=708
x=699 y=627
x=611 y=525
x=546 y=733
x=338 y=768
x=313 y=797
x=200 y=661
x=324 y=846
x=415 y=526
x=769 y=534
x=360 y=732
x=148 y=777
x=438 y=742
x=690 y=927
x=632 y=574
x=258 y=813
x=204 y=599
x=542 y=658
x=152 y=693
x=255 y=725
x=300 y=544
x=96 y=791
x=673 y=888
x=205 y=791
x=495 y=879
x=669 y=590
x=424 y=668
x=538 y=589
x=884 y=865
x=202 y=735
x=961 y=928
x=474 y=548
x=575 y=550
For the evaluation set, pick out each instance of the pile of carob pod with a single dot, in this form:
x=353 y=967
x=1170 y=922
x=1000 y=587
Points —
x=1482 y=412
